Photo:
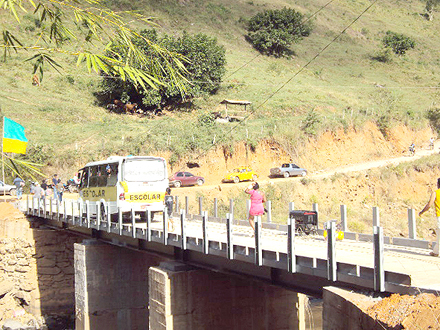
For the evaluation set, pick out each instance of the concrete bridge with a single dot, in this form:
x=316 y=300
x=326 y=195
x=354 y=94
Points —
x=210 y=271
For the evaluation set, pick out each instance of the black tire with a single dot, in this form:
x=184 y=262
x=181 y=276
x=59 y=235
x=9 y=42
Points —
x=103 y=212
x=177 y=184
x=236 y=179
x=286 y=174
x=200 y=182
x=13 y=192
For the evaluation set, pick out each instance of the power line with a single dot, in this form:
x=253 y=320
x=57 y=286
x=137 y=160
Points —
x=288 y=81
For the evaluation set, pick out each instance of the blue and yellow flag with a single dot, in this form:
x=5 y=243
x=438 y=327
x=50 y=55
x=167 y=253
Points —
x=14 y=139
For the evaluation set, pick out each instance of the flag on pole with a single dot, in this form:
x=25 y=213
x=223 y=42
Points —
x=14 y=139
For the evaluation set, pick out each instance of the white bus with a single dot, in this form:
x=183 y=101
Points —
x=130 y=183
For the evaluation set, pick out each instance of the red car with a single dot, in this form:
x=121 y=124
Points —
x=185 y=179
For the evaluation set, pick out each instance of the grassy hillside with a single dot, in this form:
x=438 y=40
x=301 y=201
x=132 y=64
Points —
x=344 y=86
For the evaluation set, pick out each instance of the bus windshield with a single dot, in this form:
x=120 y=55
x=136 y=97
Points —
x=144 y=170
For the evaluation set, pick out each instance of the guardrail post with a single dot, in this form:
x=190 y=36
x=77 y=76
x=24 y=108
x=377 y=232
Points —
x=98 y=215
x=183 y=228
x=186 y=205
x=291 y=206
x=316 y=209
x=73 y=211
x=379 y=272
x=109 y=217
x=230 y=247
x=258 y=250
x=27 y=204
x=165 y=227
x=215 y=207
x=412 y=228
x=88 y=213
x=200 y=205
x=44 y=208
x=269 y=211
x=148 y=233
x=376 y=220
x=64 y=211
x=33 y=205
x=231 y=209
x=51 y=210
x=39 y=206
x=248 y=207
x=344 y=226
x=133 y=224
x=120 y=220
x=58 y=209
x=81 y=213
x=291 y=258
x=205 y=232
x=331 y=250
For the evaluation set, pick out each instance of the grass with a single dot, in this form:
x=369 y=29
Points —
x=342 y=84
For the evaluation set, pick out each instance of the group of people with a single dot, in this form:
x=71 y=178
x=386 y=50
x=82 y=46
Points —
x=42 y=190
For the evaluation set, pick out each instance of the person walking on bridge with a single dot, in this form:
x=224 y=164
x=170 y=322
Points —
x=434 y=200
x=257 y=200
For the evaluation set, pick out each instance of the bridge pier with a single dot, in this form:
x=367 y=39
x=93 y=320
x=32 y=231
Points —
x=111 y=287
x=186 y=298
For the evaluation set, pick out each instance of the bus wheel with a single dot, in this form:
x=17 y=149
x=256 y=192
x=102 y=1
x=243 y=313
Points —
x=103 y=212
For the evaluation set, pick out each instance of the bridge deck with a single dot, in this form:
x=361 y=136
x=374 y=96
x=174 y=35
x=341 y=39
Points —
x=407 y=269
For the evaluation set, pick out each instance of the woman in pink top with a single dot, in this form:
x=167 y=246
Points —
x=257 y=200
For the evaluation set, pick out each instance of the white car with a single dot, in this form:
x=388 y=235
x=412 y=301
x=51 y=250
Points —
x=7 y=188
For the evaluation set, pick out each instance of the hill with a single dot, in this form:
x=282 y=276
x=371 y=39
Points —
x=294 y=99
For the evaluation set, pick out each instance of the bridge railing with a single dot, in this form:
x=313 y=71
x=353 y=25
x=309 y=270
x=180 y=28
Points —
x=198 y=238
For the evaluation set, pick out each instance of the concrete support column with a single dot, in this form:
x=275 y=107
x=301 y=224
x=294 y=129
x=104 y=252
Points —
x=111 y=287
x=183 y=299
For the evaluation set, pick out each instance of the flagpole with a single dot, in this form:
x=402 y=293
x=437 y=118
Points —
x=3 y=161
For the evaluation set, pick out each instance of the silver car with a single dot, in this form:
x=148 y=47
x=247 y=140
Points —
x=288 y=169
x=7 y=188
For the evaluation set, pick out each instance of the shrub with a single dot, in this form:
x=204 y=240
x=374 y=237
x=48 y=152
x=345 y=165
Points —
x=398 y=42
x=273 y=31
x=204 y=63
x=434 y=118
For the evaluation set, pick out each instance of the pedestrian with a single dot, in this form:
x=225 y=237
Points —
x=169 y=202
x=257 y=200
x=19 y=184
x=55 y=186
x=434 y=200
x=39 y=191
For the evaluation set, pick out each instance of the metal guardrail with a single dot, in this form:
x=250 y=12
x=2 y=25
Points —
x=73 y=213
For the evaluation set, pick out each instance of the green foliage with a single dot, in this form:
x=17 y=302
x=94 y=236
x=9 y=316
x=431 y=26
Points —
x=57 y=26
x=311 y=123
x=398 y=42
x=204 y=66
x=431 y=6
x=433 y=115
x=206 y=120
x=273 y=31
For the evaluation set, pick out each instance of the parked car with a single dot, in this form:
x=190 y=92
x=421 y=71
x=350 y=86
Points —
x=185 y=179
x=288 y=169
x=242 y=173
x=8 y=188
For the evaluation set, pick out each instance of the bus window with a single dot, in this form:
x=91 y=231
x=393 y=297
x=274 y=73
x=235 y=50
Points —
x=93 y=180
x=84 y=178
x=102 y=178
x=111 y=174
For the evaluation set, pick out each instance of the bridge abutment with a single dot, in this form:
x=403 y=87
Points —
x=111 y=287
x=185 y=298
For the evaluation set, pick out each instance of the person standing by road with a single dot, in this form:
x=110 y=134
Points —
x=257 y=200
x=55 y=186
x=19 y=183
x=434 y=200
